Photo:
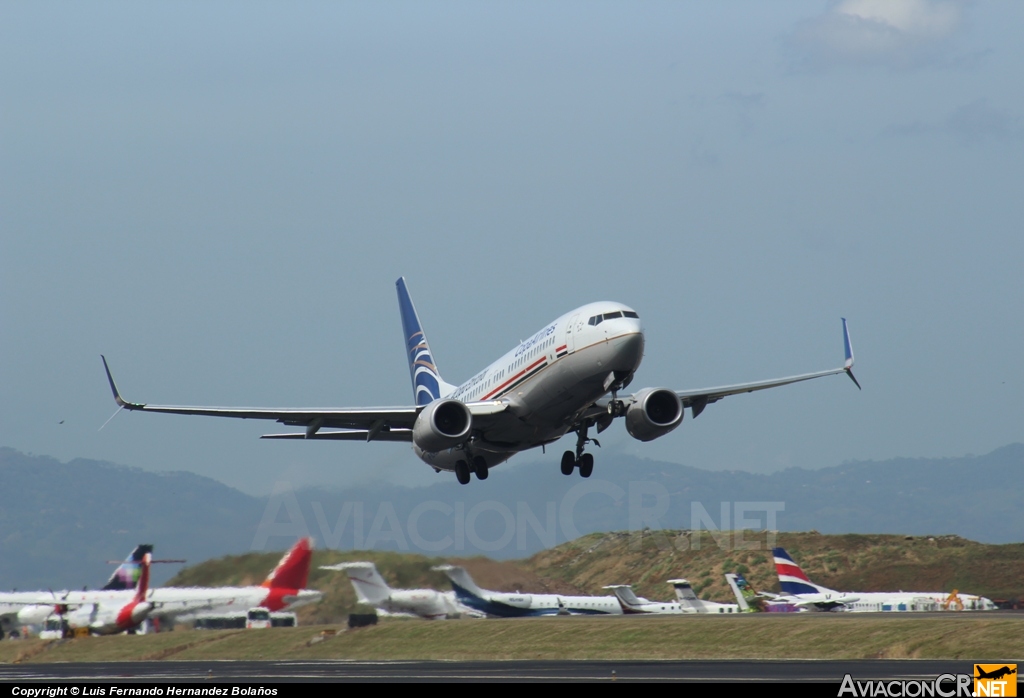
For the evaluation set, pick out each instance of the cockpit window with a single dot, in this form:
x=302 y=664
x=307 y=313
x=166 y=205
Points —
x=596 y=320
x=630 y=313
x=612 y=316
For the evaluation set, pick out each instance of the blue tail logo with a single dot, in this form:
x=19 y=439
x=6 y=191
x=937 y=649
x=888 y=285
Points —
x=426 y=381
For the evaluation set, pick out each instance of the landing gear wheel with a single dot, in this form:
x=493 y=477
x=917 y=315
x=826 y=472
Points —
x=462 y=472
x=480 y=467
x=568 y=462
x=586 y=464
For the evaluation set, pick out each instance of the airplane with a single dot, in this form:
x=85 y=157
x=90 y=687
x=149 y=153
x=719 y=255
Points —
x=751 y=601
x=688 y=600
x=795 y=583
x=113 y=617
x=504 y=605
x=686 y=603
x=372 y=590
x=22 y=609
x=284 y=589
x=564 y=378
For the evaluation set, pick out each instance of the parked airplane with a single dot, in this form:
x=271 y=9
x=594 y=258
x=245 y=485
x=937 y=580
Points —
x=29 y=608
x=566 y=377
x=283 y=589
x=686 y=603
x=371 y=589
x=750 y=600
x=115 y=616
x=794 y=582
x=518 y=605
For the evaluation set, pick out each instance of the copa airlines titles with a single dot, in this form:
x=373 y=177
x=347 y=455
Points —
x=528 y=344
x=55 y=691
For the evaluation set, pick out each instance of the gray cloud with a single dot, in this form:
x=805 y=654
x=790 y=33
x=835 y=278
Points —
x=972 y=123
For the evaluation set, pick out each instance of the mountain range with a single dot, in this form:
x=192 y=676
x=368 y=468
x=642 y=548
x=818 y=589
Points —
x=61 y=522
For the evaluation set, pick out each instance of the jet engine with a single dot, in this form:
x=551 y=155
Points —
x=653 y=412
x=442 y=424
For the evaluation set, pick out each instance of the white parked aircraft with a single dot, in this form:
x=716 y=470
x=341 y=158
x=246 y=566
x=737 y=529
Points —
x=372 y=590
x=565 y=378
x=504 y=605
x=686 y=603
x=794 y=582
x=284 y=589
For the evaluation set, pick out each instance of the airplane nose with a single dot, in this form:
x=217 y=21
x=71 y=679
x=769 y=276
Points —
x=631 y=350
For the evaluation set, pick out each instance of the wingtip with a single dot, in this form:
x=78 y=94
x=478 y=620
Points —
x=113 y=386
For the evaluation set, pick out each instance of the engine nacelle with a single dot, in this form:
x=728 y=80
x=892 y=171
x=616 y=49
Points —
x=654 y=412
x=441 y=425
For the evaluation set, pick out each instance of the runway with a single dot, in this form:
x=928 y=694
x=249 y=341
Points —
x=698 y=671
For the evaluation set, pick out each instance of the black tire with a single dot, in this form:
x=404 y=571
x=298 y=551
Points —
x=586 y=464
x=480 y=467
x=568 y=462
x=462 y=472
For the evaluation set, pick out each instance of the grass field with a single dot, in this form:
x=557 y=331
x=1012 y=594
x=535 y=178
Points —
x=760 y=636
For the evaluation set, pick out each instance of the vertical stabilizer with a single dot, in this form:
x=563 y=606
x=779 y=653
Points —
x=292 y=572
x=427 y=385
x=462 y=583
x=792 y=579
x=746 y=597
x=686 y=596
x=126 y=576
x=627 y=598
x=370 y=587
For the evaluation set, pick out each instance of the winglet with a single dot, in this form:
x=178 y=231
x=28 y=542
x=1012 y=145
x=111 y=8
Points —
x=113 y=388
x=848 y=348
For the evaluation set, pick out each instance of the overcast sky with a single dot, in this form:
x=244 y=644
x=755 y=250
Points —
x=220 y=197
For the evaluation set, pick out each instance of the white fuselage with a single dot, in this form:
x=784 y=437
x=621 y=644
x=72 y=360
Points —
x=505 y=605
x=907 y=601
x=549 y=379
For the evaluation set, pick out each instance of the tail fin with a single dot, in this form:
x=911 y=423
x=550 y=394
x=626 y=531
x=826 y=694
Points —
x=427 y=385
x=746 y=597
x=792 y=579
x=127 y=575
x=369 y=585
x=143 y=588
x=686 y=596
x=627 y=598
x=292 y=572
x=462 y=583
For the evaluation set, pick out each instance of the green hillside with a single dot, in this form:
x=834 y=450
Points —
x=847 y=562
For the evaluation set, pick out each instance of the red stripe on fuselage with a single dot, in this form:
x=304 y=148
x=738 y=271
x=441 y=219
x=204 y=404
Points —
x=791 y=571
x=515 y=377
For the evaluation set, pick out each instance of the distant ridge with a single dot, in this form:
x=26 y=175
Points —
x=60 y=522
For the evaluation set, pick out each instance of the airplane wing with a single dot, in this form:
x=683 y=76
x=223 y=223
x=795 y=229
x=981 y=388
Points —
x=698 y=399
x=355 y=423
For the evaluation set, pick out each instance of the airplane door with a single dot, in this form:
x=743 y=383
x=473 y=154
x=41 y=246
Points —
x=570 y=333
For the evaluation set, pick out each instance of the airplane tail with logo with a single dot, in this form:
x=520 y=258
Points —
x=369 y=585
x=792 y=579
x=746 y=597
x=427 y=384
x=462 y=584
x=292 y=572
x=686 y=596
x=126 y=576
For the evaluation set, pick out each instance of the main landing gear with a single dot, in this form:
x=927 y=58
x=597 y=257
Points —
x=463 y=470
x=585 y=461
